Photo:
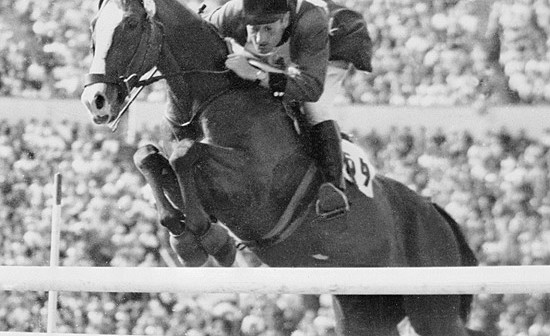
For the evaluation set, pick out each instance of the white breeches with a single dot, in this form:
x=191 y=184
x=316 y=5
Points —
x=323 y=109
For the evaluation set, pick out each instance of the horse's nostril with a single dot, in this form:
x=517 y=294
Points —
x=99 y=102
x=100 y=120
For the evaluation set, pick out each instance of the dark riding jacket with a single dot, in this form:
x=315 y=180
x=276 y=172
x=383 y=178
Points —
x=307 y=35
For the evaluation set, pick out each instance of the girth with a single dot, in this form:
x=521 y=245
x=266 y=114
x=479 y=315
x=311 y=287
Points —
x=285 y=226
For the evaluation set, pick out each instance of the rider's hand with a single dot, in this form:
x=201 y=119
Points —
x=239 y=65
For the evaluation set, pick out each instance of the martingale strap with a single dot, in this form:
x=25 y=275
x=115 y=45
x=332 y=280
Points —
x=285 y=227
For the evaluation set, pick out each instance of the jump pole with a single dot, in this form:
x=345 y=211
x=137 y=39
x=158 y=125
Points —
x=54 y=251
x=262 y=280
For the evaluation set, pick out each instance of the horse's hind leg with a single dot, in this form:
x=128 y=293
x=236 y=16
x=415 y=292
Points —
x=372 y=315
x=435 y=315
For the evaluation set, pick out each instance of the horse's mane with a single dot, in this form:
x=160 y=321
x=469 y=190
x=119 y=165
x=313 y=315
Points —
x=189 y=30
x=186 y=30
x=205 y=49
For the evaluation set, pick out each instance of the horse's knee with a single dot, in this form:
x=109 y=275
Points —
x=144 y=154
x=151 y=162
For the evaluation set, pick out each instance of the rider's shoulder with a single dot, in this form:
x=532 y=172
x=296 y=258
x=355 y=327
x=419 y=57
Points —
x=311 y=8
x=311 y=17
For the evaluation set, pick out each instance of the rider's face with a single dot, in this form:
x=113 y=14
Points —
x=266 y=37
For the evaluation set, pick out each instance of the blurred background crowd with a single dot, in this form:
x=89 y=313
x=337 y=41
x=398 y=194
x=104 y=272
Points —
x=426 y=52
x=496 y=186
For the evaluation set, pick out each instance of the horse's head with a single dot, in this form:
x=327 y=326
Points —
x=126 y=43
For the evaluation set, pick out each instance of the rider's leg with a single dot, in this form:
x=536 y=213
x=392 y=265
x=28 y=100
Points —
x=327 y=151
x=326 y=144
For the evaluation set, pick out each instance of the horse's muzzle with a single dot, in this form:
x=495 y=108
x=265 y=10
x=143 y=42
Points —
x=101 y=100
x=100 y=120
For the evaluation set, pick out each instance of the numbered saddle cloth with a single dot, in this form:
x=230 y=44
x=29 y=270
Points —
x=357 y=167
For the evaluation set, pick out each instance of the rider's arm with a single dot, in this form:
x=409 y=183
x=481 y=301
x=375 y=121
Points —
x=309 y=50
x=304 y=79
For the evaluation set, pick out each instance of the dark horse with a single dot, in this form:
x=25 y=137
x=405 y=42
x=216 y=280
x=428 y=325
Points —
x=240 y=160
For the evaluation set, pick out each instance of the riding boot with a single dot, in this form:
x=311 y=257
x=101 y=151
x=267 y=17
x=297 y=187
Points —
x=327 y=151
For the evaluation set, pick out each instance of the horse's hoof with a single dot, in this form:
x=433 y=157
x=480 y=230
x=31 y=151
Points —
x=331 y=202
x=219 y=244
x=189 y=249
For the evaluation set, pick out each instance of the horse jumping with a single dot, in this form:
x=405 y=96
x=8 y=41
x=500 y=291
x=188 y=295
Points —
x=239 y=160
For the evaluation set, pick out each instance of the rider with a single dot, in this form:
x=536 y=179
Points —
x=286 y=49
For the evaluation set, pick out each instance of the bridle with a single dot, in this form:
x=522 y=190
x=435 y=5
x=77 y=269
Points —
x=147 y=52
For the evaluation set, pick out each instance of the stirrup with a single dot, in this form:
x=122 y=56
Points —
x=331 y=201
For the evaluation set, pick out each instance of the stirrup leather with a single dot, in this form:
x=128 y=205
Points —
x=331 y=201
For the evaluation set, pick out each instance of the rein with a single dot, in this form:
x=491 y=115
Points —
x=134 y=86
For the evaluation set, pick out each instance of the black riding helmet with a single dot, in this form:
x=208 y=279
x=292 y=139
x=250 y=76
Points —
x=259 y=12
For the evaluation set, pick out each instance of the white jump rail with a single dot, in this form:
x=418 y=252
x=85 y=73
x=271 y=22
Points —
x=436 y=280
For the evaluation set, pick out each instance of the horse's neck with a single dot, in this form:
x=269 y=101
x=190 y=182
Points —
x=191 y=45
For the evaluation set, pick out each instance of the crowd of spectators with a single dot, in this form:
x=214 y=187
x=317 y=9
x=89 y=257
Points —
x=496 y=186
x=519 y=50
x=429 y=52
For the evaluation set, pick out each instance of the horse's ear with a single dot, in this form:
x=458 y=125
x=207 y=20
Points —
x=150 y=7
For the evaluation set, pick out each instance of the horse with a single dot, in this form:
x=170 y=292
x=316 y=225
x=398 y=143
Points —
x=239 y=160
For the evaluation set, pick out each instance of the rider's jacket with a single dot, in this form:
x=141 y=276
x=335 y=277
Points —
x=305 y=43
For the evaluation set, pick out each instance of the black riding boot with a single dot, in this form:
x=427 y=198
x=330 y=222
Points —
x=327 y=151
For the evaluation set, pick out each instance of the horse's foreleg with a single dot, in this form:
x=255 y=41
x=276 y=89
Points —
x=372 y=315
x=213 y=237
x=163 y=182
x=169 y=203
x=435 y=315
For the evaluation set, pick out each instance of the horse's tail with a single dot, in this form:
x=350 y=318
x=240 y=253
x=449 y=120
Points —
x=468 y=258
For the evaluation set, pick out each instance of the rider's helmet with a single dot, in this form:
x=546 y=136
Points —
x=259 y=12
